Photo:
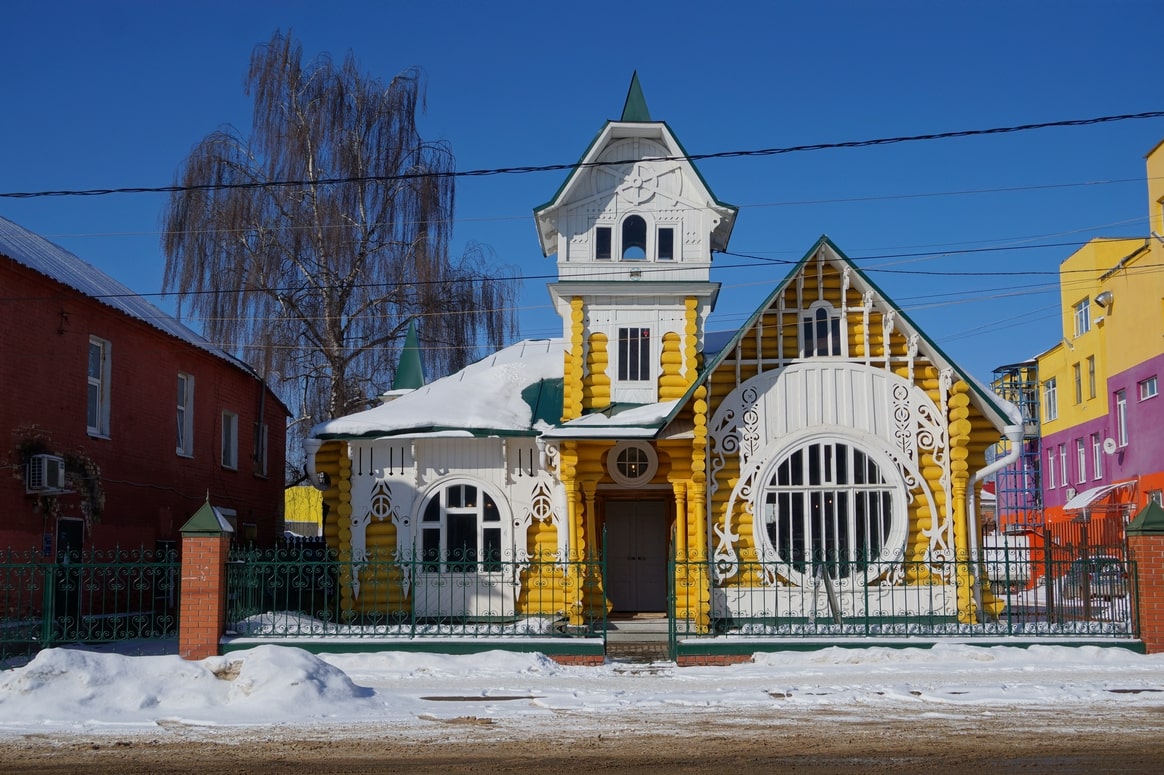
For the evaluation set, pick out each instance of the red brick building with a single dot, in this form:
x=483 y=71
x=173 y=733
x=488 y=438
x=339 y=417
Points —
x=117 y=422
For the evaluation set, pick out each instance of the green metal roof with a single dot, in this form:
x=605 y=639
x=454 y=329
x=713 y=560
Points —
x=545 y=400
x=634 y=111
x=410 y=369
x=206 y=521
x=1149 y=522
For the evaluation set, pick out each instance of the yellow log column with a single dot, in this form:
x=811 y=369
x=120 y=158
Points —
x=568 y=460
x=682 y=529
x=573 y=365
x=697 y=513
x=344 y=518
x=593 y=597
x=960 y=427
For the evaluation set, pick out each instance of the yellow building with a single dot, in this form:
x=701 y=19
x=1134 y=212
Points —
x=818 y=464
x=302 y=511
x=1102 y=455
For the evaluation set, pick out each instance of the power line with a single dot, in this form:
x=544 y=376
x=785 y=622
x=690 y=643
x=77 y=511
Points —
x=521 y=170
x=646 y=270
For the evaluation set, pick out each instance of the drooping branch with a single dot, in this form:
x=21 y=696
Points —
x=317 y=281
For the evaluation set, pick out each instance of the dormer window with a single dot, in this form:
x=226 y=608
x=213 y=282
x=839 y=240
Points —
x=602 y=243
x=634 y=354
x=821 y=331
x=637 y=240
x=634 y=238
x=665 y=244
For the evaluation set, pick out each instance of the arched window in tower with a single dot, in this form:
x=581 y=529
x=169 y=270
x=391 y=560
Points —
x=634 y=238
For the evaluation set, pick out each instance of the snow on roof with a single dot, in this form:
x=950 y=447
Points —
x=38 y=254
x=637 y=421
x=489 y=396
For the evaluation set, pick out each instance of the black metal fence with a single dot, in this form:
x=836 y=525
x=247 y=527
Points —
x=86 y=597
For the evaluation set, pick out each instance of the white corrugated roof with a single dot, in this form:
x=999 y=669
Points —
x=37 y=253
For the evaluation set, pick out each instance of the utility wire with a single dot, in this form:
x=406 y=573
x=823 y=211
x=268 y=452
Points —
x=648 y=269
x=521 y=170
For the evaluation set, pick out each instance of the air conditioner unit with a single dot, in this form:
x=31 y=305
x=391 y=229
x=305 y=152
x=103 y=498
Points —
x=46 y=473
x=1070 y=493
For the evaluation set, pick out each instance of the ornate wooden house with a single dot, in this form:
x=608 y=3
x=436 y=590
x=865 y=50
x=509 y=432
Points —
x=820 y=461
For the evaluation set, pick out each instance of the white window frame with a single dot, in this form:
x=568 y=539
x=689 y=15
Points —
x=1050 y=468
x=1148 y=388
x=1050 y=400
x=659 y=229
x=1082 y=311
x=1091 y=376
x=1077 y=373
x=1063 y=464
x=835 y=342
x=641 y=340
x=1097 y=456
x=185 y=418
x=98 y=388
x=439 y=558
x=1080 y=460
x=632 y=463
x=824 y=485
x=608 y=232
x=229 y=426
x=1121 y=417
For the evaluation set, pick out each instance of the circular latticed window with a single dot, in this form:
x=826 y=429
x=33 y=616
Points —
x=632 y=463
x=827 y=508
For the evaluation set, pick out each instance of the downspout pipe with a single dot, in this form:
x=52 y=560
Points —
x=1015 y=433
x=310 y=447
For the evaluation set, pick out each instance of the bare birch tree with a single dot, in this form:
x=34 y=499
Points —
x=313 y=282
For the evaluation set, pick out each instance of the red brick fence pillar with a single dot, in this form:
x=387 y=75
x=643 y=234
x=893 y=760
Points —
x=1146 y=548
x=202 y=600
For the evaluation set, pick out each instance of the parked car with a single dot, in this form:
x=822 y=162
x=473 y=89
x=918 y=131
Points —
x=1104 y=577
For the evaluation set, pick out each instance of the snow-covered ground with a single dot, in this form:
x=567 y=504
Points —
x=67 y=691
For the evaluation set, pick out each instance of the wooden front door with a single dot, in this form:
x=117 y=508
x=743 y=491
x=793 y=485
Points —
x=636 y=555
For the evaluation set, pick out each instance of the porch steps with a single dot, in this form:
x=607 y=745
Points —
x=638 y=639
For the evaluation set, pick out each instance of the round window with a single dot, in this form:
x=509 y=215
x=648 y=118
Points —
x=632 y=463
x=828 y=507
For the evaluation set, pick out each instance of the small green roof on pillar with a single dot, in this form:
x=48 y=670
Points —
x=635 y=108
x=1149 y=522
x=410 y=370
x=207 y=521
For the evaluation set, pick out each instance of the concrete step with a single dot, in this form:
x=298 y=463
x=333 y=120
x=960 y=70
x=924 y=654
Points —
x=638 y=630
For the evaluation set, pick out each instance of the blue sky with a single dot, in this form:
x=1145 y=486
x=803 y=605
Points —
x=115 y=94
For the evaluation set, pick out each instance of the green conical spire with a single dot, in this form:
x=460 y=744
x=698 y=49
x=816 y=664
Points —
x=409 y=371
x=635 y=108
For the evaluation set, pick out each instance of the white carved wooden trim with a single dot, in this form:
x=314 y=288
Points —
x=868 y=407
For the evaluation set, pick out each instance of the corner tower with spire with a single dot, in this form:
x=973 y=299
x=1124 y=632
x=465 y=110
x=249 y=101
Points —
x=633 y=227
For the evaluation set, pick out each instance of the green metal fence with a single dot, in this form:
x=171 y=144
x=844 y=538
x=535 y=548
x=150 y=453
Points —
x=1022 y=595
x=86 y=597
x=307 y=592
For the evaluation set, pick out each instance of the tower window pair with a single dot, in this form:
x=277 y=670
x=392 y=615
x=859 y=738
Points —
x=633 y=244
